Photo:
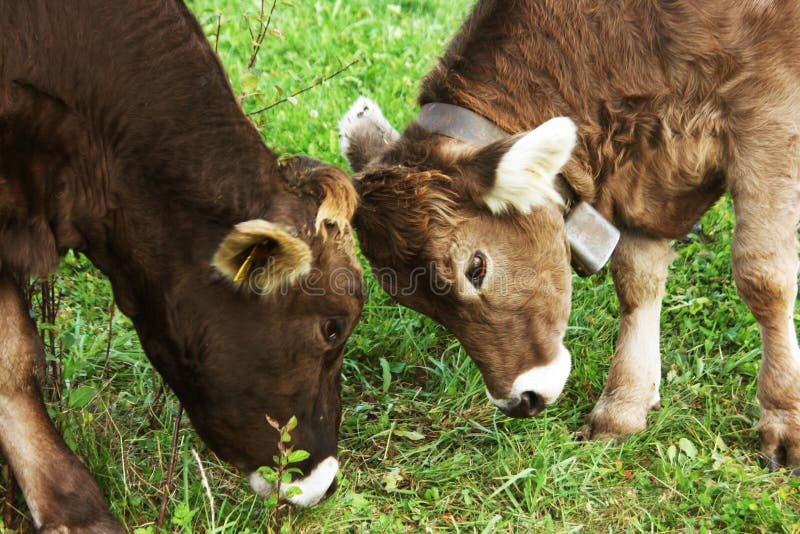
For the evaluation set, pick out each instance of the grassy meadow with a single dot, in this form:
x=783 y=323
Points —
x=421 y=447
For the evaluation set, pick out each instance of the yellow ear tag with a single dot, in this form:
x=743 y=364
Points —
x=244 y=270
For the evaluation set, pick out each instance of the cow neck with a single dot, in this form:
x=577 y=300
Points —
x=591 y=237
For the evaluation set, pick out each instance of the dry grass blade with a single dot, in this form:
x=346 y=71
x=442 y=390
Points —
x=206 y=487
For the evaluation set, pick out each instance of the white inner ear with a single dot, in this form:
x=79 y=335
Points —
x=525 y=176
x=364 y=114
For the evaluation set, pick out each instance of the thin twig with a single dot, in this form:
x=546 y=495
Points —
x=319 y=82
x=48 y=311
x=256 y=44
x=207 y=487
x=257 y=40
x=262 y=32
x=111 y=313
x=250 y=30
x=216 y=40
x=171 y=469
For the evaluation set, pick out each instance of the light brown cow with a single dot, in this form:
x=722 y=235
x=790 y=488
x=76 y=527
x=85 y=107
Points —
x=675 y=103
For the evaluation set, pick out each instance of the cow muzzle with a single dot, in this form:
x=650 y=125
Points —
x=314 y=487
x=536 y=388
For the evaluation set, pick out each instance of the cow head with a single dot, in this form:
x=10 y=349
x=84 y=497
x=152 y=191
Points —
x=255 y=320
x=475 y=239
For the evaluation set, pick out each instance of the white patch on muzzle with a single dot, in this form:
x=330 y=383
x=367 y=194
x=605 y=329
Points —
x=313 y=487
x=547 y=381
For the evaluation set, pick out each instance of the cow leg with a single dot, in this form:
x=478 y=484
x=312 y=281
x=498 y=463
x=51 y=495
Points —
x=765 y=265
x=639 y=267
x=61 y=494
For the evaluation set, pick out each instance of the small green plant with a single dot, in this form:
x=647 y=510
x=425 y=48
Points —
x=281 y=474
x=182 y=517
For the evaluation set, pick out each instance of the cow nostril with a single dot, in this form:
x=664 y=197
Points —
x=530 y=404
x=533 y=402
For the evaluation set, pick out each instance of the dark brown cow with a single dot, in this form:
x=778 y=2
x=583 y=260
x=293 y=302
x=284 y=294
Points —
x=120 y=137
x=674 y=102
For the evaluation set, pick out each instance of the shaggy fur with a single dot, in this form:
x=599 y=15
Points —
x=675 y=102
x=428 y=204
x=120 y=138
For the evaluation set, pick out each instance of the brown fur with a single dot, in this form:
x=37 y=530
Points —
x=427 y=203
x=120 y=137
x=675 y=102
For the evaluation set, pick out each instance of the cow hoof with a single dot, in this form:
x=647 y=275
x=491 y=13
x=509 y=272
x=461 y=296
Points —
x=776 y=462
x=613 y=421
x=588 y=433
x=780 y=447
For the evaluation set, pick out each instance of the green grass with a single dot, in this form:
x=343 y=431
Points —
x=422 y=449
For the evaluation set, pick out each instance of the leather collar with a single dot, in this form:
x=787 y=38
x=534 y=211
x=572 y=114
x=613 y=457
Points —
x=460 y=123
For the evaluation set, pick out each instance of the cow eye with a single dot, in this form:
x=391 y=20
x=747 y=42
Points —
x=332 y=330
x=476 y=271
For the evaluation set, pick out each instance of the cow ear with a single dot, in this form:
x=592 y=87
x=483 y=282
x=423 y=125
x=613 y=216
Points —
x=519 y=173
x=339 y=199
x=262 y=256
x=364 y=132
